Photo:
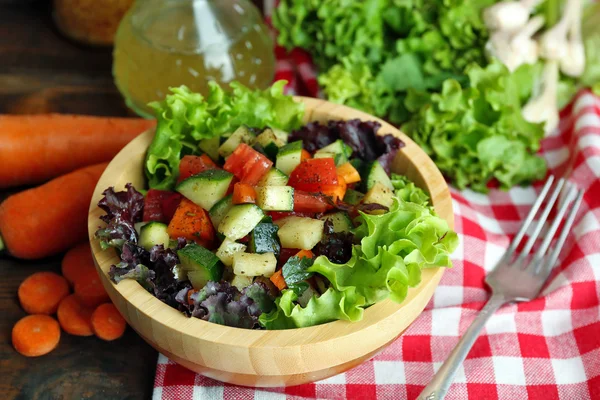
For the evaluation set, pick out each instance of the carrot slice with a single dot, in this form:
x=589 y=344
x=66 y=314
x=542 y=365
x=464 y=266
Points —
x=35 y=335
x=107 y=322
x=243 y=193
x=41 y=292
x=75 y=317
x=77 y=262
x=89 y=289
x=277 y=279
x=191 y=222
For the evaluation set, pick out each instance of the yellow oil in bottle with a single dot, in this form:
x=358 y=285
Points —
x=166 y=43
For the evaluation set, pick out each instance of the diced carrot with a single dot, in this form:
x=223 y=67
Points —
x=89 y=289
x=41 y=292
x=35 y=335
x=243 y=193
x=75 y=317
x=305 y=253
x=191 y=222
x=348 y=173
x=305 y=155
x=277 y=279
x=107 y=323
x=77 y=262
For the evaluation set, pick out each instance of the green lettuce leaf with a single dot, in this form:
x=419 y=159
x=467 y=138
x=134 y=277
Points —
x=393 y=249
x=408 y=191
x=477 y=133
x=184 y=118
x=330 y=306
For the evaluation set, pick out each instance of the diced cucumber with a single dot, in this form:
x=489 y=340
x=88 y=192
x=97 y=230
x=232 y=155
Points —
x=338 y=147
x=139 y=225
x=249 y=264
x=274 y=178
x=200 y=264
x=374 y=173
x=289 y=156
x=218 y=211
x=154 y=233
x=353 y=197
x=300 y=233
x=379 y=194
x=240 y=220
x=324 y=154
x=275 y=198
x=264 y=239
x=241 y=281
x=227 y=249
x=241 y=135
x=348 y=150
x=269 y=142
x=211 y=147
x=281 y=135
x=206 y=188
x=341 y=221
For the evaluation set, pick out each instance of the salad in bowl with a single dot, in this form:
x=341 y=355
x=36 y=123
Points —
x=251 y=219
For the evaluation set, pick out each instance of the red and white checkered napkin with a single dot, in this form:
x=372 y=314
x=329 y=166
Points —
x=546 y=349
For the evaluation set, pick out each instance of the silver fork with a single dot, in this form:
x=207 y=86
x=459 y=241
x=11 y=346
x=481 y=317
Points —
x=517 y=276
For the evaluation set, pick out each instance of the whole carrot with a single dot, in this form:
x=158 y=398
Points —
x=35 y=148
x=50 y=218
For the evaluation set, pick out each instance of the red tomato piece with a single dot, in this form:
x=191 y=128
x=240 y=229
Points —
x=313 y=174
x=310 y=202
x=153 y=205
x=170 y=204
x=247 y=164
x=192 y=165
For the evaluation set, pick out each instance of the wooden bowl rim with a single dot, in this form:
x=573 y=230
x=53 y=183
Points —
x=197 y=329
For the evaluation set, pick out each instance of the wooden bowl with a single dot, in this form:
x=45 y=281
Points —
x=268 y=358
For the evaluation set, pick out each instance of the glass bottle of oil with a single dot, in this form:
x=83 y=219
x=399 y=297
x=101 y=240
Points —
x=166 y=43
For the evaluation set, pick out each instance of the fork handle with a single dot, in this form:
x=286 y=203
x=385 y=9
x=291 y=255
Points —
x=439 y=385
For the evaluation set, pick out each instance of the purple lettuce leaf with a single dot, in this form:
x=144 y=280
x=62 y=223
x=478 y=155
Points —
x=123 y=210
x=361 y=136
x=336 y=246
x=224 y=304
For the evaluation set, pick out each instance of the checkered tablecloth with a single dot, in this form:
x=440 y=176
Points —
x=546 y=349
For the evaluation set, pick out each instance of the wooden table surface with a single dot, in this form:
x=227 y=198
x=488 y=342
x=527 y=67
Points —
x=41 y=72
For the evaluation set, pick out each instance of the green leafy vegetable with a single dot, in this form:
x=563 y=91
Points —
x=330 y=306
x=393 y=249
x=408 y=191
x=295 y=273
x=590 y=31
x=184 y=118
x=477 y=134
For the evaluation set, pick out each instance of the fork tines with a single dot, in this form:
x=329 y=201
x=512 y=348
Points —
x=542 y=260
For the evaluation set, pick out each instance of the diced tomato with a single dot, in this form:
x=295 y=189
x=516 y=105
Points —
x=154 y=205
x=305 y=155
x=247 y=164
x=192 y=222
x=170 y=204
x=243 y=194
x=192 y=165
x=312 y=175
x=336 y=192
x=310 y=202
